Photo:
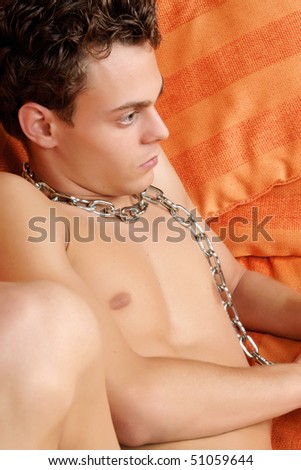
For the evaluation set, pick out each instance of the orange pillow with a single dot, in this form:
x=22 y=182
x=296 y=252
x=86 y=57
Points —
x=12 y=153
x=232 y=102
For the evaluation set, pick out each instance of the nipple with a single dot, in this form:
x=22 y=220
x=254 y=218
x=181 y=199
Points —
x=120 y=300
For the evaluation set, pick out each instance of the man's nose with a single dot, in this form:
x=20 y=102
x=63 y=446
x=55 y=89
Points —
x=156 y=130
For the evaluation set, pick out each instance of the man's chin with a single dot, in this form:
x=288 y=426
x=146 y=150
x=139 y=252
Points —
x=135 y=187
x=147 y=181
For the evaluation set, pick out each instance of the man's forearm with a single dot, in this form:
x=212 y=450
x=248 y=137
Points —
x=179 y=399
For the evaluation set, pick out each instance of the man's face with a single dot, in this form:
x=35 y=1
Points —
x=114 y=144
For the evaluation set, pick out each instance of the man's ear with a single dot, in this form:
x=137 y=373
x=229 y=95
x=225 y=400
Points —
x=38 y=123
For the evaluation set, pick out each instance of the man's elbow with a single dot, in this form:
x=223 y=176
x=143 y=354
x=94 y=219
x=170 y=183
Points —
x=138 y=416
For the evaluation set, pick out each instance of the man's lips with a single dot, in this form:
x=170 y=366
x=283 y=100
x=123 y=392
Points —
x=151 y=163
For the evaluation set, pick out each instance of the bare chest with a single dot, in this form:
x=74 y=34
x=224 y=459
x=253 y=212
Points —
x=153 y=279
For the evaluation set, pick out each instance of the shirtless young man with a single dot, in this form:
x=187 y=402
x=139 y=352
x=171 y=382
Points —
x=79 y=85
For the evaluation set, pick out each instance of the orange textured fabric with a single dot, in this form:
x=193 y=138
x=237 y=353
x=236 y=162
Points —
x=269 y=225
x=12 y=153
x=232 y=103
x=232 y=99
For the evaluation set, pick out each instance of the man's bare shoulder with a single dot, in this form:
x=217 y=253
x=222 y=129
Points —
x=15 y=188
x=9 y=180
x=20 y=202
x=24 y=257
x=169 y=182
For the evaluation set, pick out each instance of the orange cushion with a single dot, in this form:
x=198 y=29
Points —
x=232 y=102
x=12 y=153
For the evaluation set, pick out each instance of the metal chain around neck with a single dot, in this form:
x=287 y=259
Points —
x=185 y=218
x=100 y=207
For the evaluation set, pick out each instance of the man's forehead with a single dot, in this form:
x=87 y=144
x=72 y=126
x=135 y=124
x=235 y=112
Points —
x=140 y=104
x=123 y=60
x=129 y=75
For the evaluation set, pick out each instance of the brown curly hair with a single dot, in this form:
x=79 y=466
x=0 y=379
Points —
x=43 y=47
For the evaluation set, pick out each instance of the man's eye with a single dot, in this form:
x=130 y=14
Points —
x=128 y=118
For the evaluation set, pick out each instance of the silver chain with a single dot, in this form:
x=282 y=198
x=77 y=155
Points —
x=100 y=207
x=185 y=218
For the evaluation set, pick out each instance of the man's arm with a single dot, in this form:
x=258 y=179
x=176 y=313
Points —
x=267 y=305
x=184 y=399
x=151 y=399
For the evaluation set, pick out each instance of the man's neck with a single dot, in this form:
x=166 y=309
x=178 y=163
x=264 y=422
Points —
x=97 y=205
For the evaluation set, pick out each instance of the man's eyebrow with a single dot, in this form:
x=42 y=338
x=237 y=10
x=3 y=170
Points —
x=139 y=104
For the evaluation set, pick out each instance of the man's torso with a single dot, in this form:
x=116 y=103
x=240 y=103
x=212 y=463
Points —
x=156 y=284
x=158 y=290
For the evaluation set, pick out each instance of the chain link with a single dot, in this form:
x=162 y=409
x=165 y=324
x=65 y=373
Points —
x=185 y=218
x=99 y=207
